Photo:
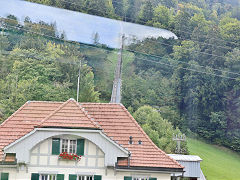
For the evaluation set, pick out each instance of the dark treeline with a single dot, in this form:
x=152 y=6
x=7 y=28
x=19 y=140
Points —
x=193 y=82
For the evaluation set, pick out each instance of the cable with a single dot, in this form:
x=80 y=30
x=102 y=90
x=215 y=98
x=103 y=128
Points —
x=69 y=41
x=192 y=50
x=158 y=43
x=206 y=43
x=179 y=38
x=97 y=47
x=188 y=69
x=187 y=32
x=32 y=24
x=185 y=62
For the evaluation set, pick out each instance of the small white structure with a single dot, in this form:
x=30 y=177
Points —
x=191 y=165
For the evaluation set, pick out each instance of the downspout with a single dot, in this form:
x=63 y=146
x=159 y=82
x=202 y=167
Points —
x=129 y=155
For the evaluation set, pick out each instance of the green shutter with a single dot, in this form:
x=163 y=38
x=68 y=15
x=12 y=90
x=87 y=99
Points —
x=97 y=177
x=55 y=146
x=60 y=177
x=152 y=178
x=127 y=178
x=35 y=176
x=4 y=176
x=72 y=176
x=80 y=147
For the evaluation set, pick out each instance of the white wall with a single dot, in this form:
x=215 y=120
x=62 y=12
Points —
x=93 y=162
x=107 y=174
x=41 y=156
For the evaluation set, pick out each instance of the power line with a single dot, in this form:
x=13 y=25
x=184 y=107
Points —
x=187 y=69
x=125 y=49
x=159 y=43
x=184 y=62
x=187 y=32
x=179 y=38
x=223 y=47
x=192 y=50
x=190 y=32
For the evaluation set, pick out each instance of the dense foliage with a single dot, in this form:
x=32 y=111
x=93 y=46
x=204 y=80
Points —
x=194 y=82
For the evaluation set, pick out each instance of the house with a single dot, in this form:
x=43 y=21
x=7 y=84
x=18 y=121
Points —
x=86 y=141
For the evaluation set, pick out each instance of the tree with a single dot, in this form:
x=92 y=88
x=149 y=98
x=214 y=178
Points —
x=146 y=13
x=169 y=3
x=157 y=128
x=96 y=38
x=118 y=7
x=96 y=7
x=131 y=11
x=4 y=43
x=229 y=29
x=181 y=24
x=87 y=88
x=162 y=17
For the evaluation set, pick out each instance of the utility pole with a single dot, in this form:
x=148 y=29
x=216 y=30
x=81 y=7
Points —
x=117 y=83
x=179 y=139
x=79 y=75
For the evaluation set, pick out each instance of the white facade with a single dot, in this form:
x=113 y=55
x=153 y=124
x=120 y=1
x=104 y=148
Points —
x=34 y=155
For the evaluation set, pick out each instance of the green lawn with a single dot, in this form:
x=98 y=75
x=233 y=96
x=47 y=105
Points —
x=218 y=163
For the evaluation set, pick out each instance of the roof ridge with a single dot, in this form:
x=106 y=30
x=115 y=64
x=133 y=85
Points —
x=50 y=115
x=9 y=118
x=63 y=105
x=85 y=113
x=100 y=103
x=154 y=145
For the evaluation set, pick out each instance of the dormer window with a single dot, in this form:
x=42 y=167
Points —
x=69 y=146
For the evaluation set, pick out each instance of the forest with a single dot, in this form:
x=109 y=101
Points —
x=190 y=85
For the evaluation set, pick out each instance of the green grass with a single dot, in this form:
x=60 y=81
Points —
x=218 y=163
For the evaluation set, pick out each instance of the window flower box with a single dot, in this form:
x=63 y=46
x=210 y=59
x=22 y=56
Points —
x=71 y=157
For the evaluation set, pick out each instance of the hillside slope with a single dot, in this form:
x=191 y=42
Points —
x=218 y=163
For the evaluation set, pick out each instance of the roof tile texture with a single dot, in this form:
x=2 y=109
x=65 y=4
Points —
x=118 y=124
x=114 y=120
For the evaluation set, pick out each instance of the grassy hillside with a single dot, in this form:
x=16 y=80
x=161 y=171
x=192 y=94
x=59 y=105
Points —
x=218 y=163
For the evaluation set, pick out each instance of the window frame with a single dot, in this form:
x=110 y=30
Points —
x=68 y=145
x=48 y=176
x=85 y=177
x=4 y=173
x=140 y=177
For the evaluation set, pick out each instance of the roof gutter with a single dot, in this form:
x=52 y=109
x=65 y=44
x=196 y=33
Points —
x=149 y=169
x=8 y=164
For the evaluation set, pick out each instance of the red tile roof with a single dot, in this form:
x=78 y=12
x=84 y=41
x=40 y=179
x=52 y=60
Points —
x=114 y=120
x=118 y=124
x=69 y=114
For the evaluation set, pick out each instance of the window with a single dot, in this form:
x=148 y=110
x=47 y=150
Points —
x=84 y=177
x=69 y=146
x=80 y=177
x=4 y=176
x=139 y=178
x=47 y=177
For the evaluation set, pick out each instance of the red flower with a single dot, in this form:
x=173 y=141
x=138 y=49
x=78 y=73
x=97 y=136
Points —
x=72 y=156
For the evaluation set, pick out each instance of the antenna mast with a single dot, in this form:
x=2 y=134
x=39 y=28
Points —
x=79 y=74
